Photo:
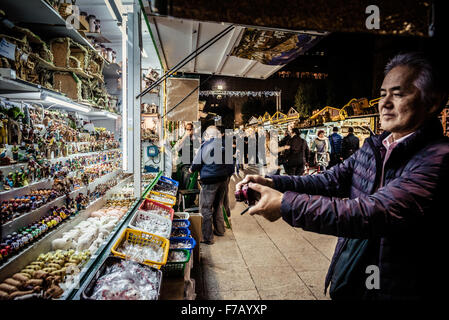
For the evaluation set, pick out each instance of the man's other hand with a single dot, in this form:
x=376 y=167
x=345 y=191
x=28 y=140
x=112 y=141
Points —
x=269 y=205
x=256 y=179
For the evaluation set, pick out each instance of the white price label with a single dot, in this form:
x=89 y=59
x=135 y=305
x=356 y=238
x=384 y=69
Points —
x=8 y=49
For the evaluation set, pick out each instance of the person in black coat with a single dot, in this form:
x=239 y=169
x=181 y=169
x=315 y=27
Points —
x=298 y=153
x=350 y=144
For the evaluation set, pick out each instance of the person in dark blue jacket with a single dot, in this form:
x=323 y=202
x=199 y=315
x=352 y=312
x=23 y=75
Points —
x=214 y=175
x=387 y=202
x=335 y=141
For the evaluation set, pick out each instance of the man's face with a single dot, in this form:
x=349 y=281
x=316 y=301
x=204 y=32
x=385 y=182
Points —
x=189 y=130
x=400 y=107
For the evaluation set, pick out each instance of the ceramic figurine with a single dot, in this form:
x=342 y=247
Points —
x=17 y=178
x=4 y=159
x=9 y=182
x=3 y=130
x=15 y=152
x=23 y=176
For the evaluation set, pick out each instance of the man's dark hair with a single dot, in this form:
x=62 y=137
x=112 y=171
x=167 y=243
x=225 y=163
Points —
x=351 y=130
x=335 y=129
x=319 y=132
x=430 y=79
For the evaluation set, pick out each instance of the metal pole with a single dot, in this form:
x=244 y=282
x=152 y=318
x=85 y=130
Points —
x=134 y=81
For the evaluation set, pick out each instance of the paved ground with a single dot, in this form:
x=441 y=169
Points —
x=265 y=260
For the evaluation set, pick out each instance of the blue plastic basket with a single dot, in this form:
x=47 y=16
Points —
x=166 y=186
x=180 y=223
x=170 y=181
x=189 y=242
x=183 y=230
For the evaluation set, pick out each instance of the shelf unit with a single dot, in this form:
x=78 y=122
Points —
x=16 y=166
x=97 y=36
x=34 y=13
x=20 y=90
x=105 y=250
x=29 y=217
x=42 y=19
x=28 y=255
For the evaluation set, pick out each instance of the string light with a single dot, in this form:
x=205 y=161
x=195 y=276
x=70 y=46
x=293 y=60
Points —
x=240 y=93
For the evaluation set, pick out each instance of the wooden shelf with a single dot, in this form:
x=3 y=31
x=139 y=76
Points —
x=98 y=36
x=43 y=19
x=29 y=217
x=43 y=245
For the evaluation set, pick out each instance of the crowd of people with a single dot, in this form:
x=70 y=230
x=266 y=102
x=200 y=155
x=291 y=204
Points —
x=293 y=155
x=323 y=153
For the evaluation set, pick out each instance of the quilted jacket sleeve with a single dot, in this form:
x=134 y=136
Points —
x=397 y=206
x=333 y=182
x=197 y=163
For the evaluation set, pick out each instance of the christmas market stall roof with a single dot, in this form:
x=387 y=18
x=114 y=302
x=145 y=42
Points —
x=406 y=17
x=334 y=113
x=226 y=49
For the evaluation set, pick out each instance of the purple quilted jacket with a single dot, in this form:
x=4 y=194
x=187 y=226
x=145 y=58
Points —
x=404 y=221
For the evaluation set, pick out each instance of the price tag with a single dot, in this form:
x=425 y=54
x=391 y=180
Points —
x=8 y=49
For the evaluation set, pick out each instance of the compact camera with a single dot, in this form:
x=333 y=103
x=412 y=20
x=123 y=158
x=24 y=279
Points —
x=247 y=195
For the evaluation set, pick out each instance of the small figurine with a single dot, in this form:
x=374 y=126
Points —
x=17 y=178
x=50 y=145
x=9 y=181
x=15 y=152
x=4 y=159
x=45 y=170
x=23 y=176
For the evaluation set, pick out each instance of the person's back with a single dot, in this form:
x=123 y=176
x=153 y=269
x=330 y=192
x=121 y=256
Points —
x=350 y=144
x=210 y=171
x=298 y=154
x=335 y=141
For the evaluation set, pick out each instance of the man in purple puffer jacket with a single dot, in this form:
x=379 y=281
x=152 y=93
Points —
x=386 y=202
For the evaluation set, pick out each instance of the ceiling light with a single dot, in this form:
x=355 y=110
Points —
x=112 y=116
x=43 y=97
x=67 y=104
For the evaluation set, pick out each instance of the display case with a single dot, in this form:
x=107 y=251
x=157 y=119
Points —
x=77 y=173
x=61 y=150
x=174 y=272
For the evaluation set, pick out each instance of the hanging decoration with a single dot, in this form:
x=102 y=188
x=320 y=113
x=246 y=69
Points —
x=273 y=47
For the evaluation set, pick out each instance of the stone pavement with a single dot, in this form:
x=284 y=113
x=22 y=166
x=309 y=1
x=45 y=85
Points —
x=264 y=260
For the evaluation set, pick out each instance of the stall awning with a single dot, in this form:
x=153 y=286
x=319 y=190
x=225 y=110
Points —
x=406 y=17
x=244 y=52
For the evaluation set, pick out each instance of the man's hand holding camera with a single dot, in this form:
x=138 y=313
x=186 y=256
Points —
x=268 y=203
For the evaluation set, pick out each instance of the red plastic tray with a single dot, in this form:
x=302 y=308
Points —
x=148 y=204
